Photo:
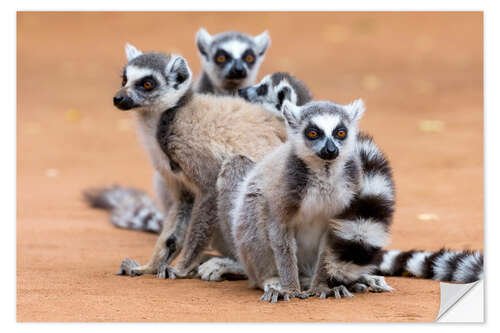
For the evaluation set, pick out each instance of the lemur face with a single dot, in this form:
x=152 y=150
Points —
x=323 y=130
x=270 y=92
x=153 y=80
x=231 y=59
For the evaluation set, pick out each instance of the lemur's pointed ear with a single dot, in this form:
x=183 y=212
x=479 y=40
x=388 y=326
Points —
x=356 y=109
x=291 y=113
x=178 y=71
x=203 y=40
x=262 y=41
x=131 y=52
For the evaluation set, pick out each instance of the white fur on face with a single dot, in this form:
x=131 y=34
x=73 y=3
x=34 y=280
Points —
x=235 y=48
x=135 y=73
x=326 y=122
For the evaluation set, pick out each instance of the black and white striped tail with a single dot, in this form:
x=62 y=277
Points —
x=129 y=208
x=444 y=265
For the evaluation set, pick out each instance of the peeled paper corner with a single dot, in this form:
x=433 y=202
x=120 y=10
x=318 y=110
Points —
x=461 y=303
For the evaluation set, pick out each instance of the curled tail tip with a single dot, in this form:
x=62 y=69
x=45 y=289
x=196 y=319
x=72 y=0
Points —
x=96 y=198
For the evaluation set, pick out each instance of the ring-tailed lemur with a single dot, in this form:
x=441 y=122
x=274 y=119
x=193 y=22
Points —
x=274 y=89
x=230 y=60
x=188 y=136
x=353 y=247
x=301 y=201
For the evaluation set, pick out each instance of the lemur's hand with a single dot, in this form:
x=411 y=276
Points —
x=129 y=267
x=273 y=295
x=165 y=271
x=323 y=291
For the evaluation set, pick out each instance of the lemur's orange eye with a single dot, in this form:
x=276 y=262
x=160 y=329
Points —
x=312 y=133
x=147 y=85
x=341 y=133
x=249 y=58
x=124 y=81
x=221 y=58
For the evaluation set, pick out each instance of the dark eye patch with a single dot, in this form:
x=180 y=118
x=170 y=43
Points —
x=124 y=77
x=140 y=83
x=221 y=52
x=315 y=128
x=262 y=90
x=249 y=52
x=338 y=129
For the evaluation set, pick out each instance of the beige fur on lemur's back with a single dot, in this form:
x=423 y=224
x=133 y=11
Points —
x=229 y=126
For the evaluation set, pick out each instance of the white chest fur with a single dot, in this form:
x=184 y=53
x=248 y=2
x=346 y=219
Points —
x=147 y=125
x=327 y=195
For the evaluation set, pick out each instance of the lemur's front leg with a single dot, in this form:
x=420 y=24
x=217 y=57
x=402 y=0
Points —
x=283 y=243
x=169 y=243
x=199 y=233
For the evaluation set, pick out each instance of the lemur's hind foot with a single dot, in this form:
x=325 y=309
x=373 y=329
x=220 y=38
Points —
x=323 y=292
x=216 y=269
x=129 y=267
x=376 y=283
x=273 y=292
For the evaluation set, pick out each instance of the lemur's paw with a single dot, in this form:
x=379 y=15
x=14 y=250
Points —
x=323 y=292
x=273 y=295
x=212 y=270
x=128 y=267
x=167 y=272
x=359 y=288
x=376 y=283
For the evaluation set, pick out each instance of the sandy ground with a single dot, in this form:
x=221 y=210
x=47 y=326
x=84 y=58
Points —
x=419 y=74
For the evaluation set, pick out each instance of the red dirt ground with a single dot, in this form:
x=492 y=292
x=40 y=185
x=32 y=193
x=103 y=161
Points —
x=420 y=74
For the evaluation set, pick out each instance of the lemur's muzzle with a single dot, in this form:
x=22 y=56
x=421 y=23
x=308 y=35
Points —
x=243 y=93
x=329 y=151
x=237 y=71
x=123 y=101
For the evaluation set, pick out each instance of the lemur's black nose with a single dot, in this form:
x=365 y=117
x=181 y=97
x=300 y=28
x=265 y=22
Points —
x=117 y=100
x=329 y=151
x=242 y=92
x=237 y=71
x=123 y=102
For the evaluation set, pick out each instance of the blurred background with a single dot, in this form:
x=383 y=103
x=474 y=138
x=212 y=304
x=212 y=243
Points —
x=420 y=75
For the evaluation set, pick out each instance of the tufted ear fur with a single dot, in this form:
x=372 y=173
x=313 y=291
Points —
x=131 y=52
x=203 y=41
x=291 y=113
x=262 y=41
x=356 y=109
x=178 y=71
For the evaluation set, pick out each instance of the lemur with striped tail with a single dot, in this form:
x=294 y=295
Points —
x=457 y=266
x=230 y=60
x=308 y=210
x=188 y=136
